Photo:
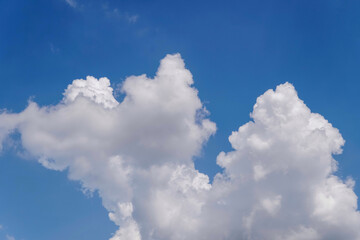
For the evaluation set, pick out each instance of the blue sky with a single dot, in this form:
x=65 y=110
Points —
x=236 y=50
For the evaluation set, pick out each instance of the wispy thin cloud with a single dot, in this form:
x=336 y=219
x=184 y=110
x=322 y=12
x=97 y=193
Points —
x=116 y=13
x=9 y=237
x=53 y=48
x=72 y=3
x=4 y=232
x=132 y=18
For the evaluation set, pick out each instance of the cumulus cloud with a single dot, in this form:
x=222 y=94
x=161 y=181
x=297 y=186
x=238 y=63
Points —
x=278 y=182
x=97 y=90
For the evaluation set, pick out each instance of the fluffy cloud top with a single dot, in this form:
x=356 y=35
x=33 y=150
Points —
x=277 y=183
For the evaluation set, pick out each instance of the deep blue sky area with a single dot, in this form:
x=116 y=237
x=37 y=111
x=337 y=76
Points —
x=236 y=50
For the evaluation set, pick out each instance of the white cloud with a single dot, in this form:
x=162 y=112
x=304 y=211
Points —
x=98 y=91
x=72 y=3
x=277 y=183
